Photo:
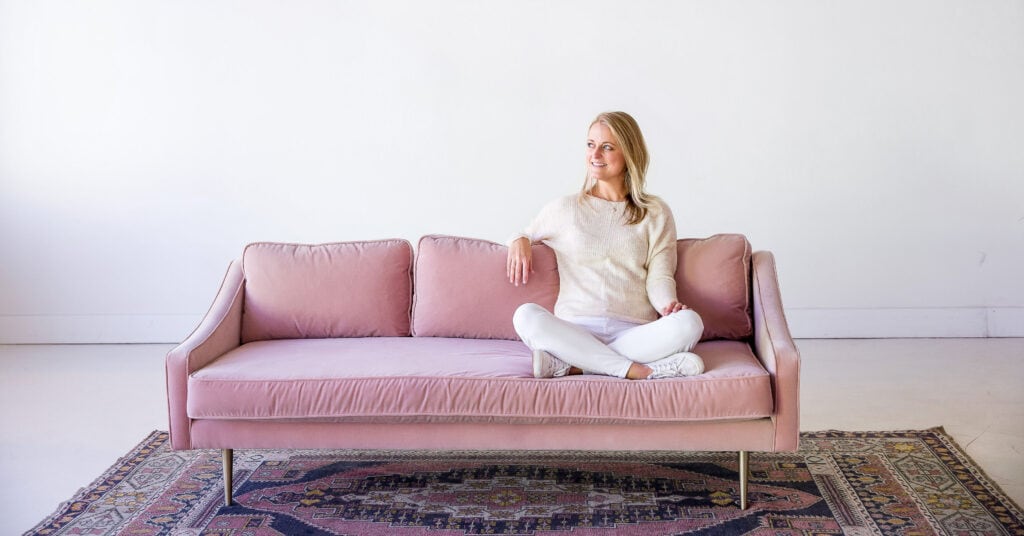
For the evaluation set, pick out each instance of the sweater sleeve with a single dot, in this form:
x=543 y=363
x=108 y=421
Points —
x=661 y=268
x=542 y=227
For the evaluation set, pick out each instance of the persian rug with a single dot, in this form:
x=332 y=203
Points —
x=900 y=483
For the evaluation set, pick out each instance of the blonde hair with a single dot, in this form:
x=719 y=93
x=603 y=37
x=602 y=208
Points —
x=627 y=134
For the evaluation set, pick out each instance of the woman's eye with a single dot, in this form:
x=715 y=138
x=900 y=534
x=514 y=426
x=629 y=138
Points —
x=607 y=147
x=590 y=145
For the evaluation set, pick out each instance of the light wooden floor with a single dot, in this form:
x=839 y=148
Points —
x=68 y=412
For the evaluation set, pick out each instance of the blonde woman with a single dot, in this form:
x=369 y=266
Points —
x=617 y=312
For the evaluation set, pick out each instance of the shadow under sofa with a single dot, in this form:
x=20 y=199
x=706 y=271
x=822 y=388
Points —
x=366 y=345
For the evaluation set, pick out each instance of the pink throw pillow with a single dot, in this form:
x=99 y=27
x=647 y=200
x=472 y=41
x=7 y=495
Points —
x=346 y=289
x=713 y=278
x=462 y=290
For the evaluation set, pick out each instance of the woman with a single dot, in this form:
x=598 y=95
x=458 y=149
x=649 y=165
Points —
x=616 y=250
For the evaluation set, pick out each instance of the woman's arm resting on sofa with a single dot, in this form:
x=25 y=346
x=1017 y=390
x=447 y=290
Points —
x=219 y=332
x=775 y=348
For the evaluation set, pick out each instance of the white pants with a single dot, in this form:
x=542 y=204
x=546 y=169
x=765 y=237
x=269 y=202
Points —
x=604 y=345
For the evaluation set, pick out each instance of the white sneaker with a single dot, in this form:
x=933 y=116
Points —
x=546 y=365
x=675 y=365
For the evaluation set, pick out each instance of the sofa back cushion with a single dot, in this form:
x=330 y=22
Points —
x=346 y=289
x=713 y=278
x=462 y=291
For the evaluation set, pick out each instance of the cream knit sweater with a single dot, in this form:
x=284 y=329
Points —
x=605 y=267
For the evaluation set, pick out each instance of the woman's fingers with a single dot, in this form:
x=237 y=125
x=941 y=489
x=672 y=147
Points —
x=520 y=262
x=673 y=307
x=522 y=270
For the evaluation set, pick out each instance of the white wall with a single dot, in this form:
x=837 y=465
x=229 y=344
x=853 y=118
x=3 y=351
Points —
x=877 y=147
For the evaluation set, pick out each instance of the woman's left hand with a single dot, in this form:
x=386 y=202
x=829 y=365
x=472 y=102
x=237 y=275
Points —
x=673 y=307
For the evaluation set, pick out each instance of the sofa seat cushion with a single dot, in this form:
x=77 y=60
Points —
x=406 y=379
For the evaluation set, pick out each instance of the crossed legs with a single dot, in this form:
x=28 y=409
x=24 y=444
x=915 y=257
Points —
x=581 y=348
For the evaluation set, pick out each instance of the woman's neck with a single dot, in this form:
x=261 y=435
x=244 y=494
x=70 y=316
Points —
x=609 y=192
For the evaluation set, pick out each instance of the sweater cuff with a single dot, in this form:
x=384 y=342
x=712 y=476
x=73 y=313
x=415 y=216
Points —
x=660 y=296
x=513 y=238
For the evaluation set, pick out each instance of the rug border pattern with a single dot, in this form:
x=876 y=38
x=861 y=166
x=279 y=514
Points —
x=78 y=505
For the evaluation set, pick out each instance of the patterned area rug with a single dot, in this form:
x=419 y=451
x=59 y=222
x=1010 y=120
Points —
x=904 y=483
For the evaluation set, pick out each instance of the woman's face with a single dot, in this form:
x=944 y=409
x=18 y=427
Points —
x=605 y=160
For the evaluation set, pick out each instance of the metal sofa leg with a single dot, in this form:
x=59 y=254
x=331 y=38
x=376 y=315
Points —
x=229 y=462
x=744 y=475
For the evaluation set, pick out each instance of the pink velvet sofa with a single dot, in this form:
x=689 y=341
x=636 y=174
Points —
x=367 y=345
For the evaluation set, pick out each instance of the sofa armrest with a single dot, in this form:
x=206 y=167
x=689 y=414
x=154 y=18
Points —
x=218 y=333
x=775 y=348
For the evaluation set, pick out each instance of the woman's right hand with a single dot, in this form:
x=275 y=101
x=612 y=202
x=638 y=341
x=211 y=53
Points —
x=520 y=261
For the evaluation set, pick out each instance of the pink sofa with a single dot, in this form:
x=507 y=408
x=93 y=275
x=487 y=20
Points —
x=366 y=345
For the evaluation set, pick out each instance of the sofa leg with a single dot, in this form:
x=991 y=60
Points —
x=229 y=462
x=744 y=474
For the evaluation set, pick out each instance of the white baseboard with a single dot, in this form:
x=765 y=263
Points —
x=804 y=323
x=96 y=329
x=892 y=323
x=1006 y=322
